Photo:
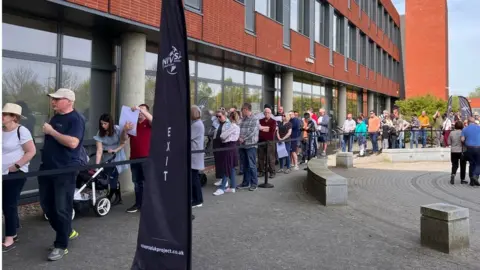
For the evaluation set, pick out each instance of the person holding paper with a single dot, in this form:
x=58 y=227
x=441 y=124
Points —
x=284 y=132
x=139 y=148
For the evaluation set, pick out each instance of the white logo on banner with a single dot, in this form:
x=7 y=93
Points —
x=169 y=63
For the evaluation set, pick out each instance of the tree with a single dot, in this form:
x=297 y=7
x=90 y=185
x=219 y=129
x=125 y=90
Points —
x=430 y=104
x=475 y=93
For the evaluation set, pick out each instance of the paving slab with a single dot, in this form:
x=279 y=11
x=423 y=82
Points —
x=281 y=228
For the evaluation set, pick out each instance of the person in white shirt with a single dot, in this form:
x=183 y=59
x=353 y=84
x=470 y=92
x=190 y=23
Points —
x=447 y=128
x=17 y=151
x=348 y=130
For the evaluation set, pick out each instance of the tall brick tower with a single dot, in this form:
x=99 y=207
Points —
x=426 y=48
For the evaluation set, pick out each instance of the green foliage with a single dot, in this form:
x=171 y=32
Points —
x=475 y=93
x=430 y=104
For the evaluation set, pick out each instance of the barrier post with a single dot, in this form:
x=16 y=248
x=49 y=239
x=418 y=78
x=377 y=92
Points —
x=266 y=184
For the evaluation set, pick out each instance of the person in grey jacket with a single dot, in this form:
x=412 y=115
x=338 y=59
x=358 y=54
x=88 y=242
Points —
x=197 y=143
x=322 y=127
x=457 y=153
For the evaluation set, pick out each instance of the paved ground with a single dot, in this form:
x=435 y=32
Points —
x=285 y=228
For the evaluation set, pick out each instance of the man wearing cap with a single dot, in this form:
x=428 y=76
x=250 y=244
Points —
x=62 y=149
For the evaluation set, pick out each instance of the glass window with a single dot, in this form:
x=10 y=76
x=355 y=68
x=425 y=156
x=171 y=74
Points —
x=78 y=80
x=196 y=4
x=208 y=71
x=254 y=97
x=233 y=96
x=306 y=102
x=262 y=6
x=334 y=34
x=210 y=94
x=278 y=99
x=151 y=61
x=371 y=53
x=77 y=48
x=253 y=79
x=353 y=42
x=363 y=49
x=297 y=103
x=304 y=17
x=307 y=88
x=297 y=86
x=150 y=90
x=27 y=83
x=325 y=23
x=316 y=103
x=192 y=92
x=352 y=103
x=23 y=39
x=317 y=21
x=294 y=15
x=316 y=90
x=339 y=37
x=191 y=67
x=233 y=75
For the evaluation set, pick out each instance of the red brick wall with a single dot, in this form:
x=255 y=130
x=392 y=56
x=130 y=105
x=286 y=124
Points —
x=426 y=43
x=222 y=23
x=474 y=103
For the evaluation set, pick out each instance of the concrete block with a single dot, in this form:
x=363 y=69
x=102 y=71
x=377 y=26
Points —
x=345 y=160
x=416 y=154
x=329 y=188
x=445 y=227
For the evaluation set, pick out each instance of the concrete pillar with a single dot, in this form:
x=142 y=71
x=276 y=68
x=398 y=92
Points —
x=287 y=91
x=388 y=104
x=269 y=89
x=342 y=104
x=100 y=83
x=371 y=102
x=132 y=83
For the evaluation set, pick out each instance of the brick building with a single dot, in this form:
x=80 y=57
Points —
x=342 y=55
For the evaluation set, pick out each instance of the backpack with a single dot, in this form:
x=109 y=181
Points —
x=18 y=134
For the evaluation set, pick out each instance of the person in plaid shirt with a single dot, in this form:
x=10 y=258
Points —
x=249 y=128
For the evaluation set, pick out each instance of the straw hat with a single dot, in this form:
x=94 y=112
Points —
x=13 y=109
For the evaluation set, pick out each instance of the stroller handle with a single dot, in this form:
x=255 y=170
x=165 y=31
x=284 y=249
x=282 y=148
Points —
x=114 y=155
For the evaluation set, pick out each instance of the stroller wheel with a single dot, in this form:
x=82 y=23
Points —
x=203 y=179
x=102 y=206
x=73 y=215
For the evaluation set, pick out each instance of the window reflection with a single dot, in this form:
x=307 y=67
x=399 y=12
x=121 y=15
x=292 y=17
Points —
x=294 y=15
x=297 y=87
x=233 y=96
x=77 y=48
x=316 y=90
x=306 y=102
x=191 y=67
x=150 y=90
x=208 y=71
x=297 y=103
x=352 y=103
x=306 y=88
x=27 y=83
x=78 y=80
x=254 y=97
x=209 y=95
x=23 y=39
x=232 y=75
x=253 y=78
x=151 y=61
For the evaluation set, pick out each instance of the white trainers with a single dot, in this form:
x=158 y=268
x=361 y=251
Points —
x=296 y=168
x=230 y=190
x=219 y=192
x=219 y=183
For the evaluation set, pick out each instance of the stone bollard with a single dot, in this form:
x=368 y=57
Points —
x=444 y=227
x=345 y=160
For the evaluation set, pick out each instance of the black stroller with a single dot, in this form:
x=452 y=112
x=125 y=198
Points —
x=92 y=189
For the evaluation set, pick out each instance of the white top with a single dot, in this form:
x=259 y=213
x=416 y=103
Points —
x=447 y=124
x=349 y=125
x=12 y=150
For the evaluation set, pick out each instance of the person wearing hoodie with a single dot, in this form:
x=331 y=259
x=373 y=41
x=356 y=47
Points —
x=361 y=133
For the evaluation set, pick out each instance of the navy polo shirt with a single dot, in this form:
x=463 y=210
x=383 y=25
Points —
x=54 y=154
x=472 y=135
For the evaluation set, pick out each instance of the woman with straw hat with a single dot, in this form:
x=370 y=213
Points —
x=17 y=151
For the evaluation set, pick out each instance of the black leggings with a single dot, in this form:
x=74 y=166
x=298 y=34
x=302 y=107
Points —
x=455 y=158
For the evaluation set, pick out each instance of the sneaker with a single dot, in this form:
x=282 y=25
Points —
x=219 y=183
x=73 y=235
x=218 y=192
x=133 y=209
x=253 y=188
x=197 y=205
x=296 y=168
x=242 y=187
x=280 y=171
x=287 y=171
x=230 y=190
x=8 y=248
x=57 y=254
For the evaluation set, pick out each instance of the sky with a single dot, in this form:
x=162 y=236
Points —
x=463 y=44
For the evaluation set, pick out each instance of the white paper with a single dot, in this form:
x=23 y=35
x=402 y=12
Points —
x=127 y=115
x=281 y=150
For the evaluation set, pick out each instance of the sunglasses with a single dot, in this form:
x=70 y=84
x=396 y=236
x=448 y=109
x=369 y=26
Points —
x=219 y=116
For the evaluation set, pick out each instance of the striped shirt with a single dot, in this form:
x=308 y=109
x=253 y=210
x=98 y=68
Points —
x=249 y=130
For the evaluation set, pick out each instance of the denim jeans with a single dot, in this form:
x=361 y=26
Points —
x=249 y=166
x=414 y=138
x=240 y=161
x=286 y=159
x=112 y=173
x=197 y=196
x=138 y=178
x=374 y=139
x=56 y=199
x=401 y=136
x=233 y=184
x=347 y=141
x=473 y=156
x=423 y=136
x=10 y=196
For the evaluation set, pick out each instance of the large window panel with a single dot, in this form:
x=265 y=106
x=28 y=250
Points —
x=254 y=97
x=233 y=96
x=339 y=38
x=196 y=4
x=29 y=40
x=150 y=90
x=208 y=71
x=294 y=14
x=297 y=86
x=316 y=89
x=307 y=88
x=27 y=84
x=363 y=49
x=297 y=103
x=306 y=102
x=262 y=7
x=352 y=103
x=77 y=48
x=78 y=80
x=253 y=79
x=151 y=60
x=352 y=42
x=210 y=95
x=317 y=21
x=325 y=21
x=233 y=76
x=304 y=17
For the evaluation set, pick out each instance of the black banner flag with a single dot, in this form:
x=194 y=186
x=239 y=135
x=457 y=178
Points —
x=164 y=235
x=465 y=109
